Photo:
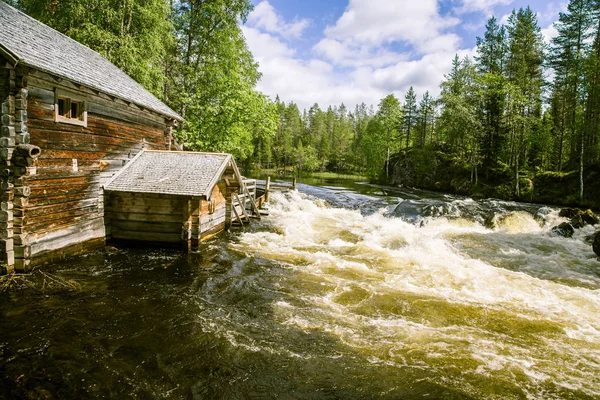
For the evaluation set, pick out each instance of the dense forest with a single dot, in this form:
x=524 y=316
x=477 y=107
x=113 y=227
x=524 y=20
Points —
x=521 y=111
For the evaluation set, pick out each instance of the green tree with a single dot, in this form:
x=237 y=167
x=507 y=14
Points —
x=135 y=35
x=389 y=118
x=425 y=119
x=213 y=83
x=525 y=74
x=492 y=49
x=410 y=114
x=492 y=52
x=459 y=121
x=568 y=56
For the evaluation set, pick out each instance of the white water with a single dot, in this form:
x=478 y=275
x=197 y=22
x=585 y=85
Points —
x=496 y=313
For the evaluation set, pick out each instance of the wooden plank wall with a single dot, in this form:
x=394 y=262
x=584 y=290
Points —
x=146 y=217
x=211 y=223
x=66 y=203
x=165 y=219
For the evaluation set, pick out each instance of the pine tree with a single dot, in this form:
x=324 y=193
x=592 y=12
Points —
x=425 y=118
x=491 y=63
x=492 y=49
x=524 y=70
x=410 y=114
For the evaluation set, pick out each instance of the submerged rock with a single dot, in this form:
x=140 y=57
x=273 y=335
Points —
x=596 y=244
x=565 y=230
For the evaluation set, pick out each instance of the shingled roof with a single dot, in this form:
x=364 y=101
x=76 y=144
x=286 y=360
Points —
x=24 y=40
x=171 y=172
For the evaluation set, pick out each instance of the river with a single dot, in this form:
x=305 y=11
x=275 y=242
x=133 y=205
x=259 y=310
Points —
x=345 y=291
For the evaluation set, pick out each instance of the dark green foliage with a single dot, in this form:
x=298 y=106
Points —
x=487 y=134
x=189 y=53
x=134 y=34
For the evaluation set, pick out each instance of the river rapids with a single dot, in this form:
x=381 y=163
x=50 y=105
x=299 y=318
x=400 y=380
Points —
x=335 y=294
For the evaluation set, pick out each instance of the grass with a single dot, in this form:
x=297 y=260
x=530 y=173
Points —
x=288 y=172
x=334 y=175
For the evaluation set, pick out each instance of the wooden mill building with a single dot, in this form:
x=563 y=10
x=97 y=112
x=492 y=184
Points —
x=70 y=120
x=172 y=197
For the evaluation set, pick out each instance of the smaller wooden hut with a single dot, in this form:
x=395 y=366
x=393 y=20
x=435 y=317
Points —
x=172 y=197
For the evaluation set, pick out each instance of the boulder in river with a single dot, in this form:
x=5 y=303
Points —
x=577 y=222
x=579 y=218
x=589 y=218
x=565 y=229
x=596 y=244
x=569 y=212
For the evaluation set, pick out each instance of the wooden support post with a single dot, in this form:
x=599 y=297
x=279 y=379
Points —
x=237 y=216
x=195 y=224
x=254 y=207
x=267 y=188
x=186 y=228
x=294 y=184
x=228 y=207
x=243 y=207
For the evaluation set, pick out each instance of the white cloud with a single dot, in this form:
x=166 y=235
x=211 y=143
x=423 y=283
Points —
x=378 y=22
x=550 y=14
x=375 y=48
x=549 y=33
x=348 y=54
x=264 y=17
x=484 y=6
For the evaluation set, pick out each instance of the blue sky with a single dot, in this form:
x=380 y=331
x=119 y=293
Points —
x=353 y=51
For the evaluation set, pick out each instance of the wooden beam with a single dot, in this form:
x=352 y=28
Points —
x=237 y=216
x=267 y=186
x=243 y=207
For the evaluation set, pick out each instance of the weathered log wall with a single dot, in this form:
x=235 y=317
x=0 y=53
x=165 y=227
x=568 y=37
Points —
x=145 y=217
x=65 y=205
x=7 y=132
x=164 y=218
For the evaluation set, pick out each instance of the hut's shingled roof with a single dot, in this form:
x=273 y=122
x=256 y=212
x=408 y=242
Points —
x=27 y=41
x=170 y=172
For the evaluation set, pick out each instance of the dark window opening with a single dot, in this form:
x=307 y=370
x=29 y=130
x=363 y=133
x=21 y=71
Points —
x=62 y=107
x=76 y=109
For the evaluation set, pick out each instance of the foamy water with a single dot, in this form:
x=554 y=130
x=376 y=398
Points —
x=501 y=312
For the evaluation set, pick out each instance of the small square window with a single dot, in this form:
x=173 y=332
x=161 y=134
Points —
x=70 y=108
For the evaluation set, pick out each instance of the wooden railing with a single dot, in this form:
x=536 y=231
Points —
x=244 y=203
x=274 y=187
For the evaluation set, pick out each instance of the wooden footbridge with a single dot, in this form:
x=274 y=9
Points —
x=253 y=195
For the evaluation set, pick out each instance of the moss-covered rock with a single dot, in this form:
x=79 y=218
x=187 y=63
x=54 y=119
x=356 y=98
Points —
x=589 y=218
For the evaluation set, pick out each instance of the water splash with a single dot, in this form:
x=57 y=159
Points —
x=472 y=307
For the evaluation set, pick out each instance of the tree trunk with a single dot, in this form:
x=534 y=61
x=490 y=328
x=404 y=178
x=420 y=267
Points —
x=387 y=160
x=581 y=168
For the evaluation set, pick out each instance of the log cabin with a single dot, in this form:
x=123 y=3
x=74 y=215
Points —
x=70 y=120
x=172 y=197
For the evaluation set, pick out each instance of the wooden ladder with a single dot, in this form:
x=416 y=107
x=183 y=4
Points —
x=242 y=201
